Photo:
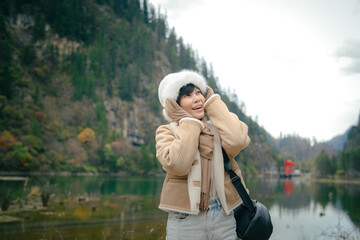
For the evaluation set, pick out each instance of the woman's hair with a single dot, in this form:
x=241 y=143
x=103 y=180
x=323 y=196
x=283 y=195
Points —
x=185 y=90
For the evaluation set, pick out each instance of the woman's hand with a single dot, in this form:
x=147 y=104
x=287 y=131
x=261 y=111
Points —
x=174 y=111
x=209 y=96
x=209 y=93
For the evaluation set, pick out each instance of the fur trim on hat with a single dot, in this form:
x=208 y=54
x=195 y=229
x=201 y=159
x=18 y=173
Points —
x=170 y=86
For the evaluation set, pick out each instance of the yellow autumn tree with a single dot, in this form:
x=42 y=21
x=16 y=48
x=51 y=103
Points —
x=86 y=135
x=6 y=141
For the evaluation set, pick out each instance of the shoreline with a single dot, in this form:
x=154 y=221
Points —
x=18 y=174
x=337 y=180
x=21 y=176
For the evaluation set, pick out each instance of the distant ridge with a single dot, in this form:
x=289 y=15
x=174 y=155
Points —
x=338 y=142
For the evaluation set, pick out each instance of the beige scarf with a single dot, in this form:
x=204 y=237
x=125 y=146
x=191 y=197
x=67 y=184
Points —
x=206 y=148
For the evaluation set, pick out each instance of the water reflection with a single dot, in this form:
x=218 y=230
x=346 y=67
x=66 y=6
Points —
x=126 y=208
x=310 y=210
x=288 y=186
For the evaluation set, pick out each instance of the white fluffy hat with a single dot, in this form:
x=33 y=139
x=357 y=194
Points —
x=170 y=86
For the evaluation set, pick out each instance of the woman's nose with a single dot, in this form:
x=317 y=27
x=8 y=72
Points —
x=196 y=98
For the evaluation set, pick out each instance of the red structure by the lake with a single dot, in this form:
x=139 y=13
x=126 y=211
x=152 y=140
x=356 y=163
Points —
x=288 y=169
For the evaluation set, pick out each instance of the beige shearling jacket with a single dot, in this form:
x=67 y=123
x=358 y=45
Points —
x=177 y=151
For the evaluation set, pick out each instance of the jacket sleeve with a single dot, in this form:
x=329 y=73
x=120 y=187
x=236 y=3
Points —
x=233 y=132
x=177 y=154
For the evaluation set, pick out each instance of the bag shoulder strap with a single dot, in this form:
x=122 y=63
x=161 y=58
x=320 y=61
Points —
x=236 y=180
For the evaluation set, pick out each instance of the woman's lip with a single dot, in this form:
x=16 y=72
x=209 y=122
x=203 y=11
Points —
x=198 y=109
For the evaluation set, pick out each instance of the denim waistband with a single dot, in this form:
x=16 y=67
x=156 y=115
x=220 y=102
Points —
x=214 y=204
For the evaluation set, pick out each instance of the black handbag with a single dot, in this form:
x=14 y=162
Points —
x=253 y=221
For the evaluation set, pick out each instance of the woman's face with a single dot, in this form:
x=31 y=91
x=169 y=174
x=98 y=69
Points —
x=193 y=103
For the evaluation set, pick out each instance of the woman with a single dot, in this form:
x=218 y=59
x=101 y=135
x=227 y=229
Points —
x=197 y=192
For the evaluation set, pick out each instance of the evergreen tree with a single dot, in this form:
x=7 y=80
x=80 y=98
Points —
x=171 y=50
x=204 y=70
x=324 y=165
x=102 y=124
x=6 y=82
x=91 y=86
x=78 y=76
x=187 y=60
x=35 y=128
x=7 y=74
x=152 y=18
x=350 y=160
x=73 y=19
x=125 y=88
x=120 y=7
x=161 y=26
x=27 y=55
x=145 y=12
x=39 y=26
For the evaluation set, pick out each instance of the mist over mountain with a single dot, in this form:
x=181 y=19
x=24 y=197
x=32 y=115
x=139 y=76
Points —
x=338 y=142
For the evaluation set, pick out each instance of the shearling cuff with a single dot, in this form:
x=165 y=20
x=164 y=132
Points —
x=193 y=119
x=211 y=99
x=166 y=116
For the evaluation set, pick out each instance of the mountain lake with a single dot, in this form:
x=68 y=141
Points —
x=106 y=208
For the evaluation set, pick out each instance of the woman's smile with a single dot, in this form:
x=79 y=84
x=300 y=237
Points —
x=193 y=103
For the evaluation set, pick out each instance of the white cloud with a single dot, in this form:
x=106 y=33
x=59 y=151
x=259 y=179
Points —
x=349 y=55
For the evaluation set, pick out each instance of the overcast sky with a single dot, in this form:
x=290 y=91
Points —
x=294 y=63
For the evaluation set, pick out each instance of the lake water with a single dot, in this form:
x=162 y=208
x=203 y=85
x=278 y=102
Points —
x=89 y=207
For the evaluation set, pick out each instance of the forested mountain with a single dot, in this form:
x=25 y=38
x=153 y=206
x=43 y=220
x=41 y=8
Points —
x=302 y=149
x=78 y=87
x=353 y=137
x=347 y=164
x=350 y=156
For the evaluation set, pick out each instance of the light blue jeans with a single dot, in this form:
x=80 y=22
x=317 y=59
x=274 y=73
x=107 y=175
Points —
x=213 y=224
